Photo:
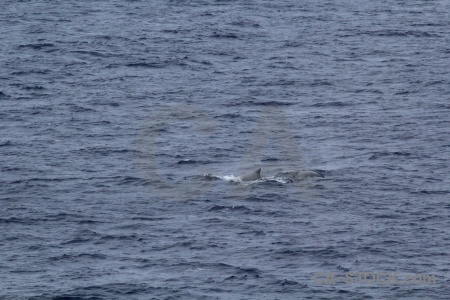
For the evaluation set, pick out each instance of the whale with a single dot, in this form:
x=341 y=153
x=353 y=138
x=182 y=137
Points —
x=303 y=174
x=255 y=175
x=307 y=174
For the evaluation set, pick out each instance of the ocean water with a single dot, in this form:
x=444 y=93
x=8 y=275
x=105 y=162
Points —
x=125 y=125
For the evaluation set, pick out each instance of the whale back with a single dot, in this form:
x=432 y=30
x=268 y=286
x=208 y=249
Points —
x=303 y=174
x=255 y=175
x=308 y=174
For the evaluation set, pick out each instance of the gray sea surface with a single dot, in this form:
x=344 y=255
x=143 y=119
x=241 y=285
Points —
x=124 y=126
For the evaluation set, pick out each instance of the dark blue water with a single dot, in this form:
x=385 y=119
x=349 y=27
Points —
x=124 y=125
